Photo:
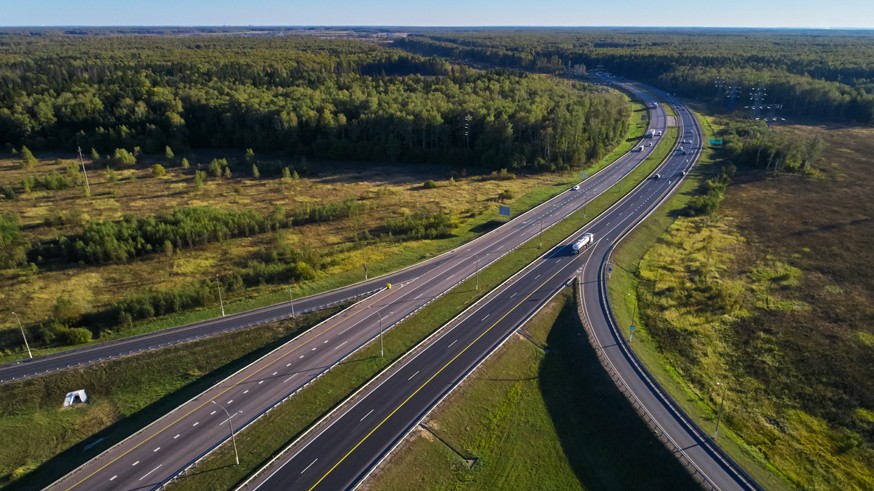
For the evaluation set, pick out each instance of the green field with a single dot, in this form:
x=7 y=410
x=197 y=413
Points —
x=723 y=299
x=539 y=414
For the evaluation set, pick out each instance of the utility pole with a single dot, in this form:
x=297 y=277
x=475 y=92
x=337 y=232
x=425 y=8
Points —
x=221 y=302
x=477 y=272
x=291 y=296
x=540 y=239
x=719 y=415
x=233 y=437
x=82 y=163
x=365 y=270
x=381 y=349
x=23 y=335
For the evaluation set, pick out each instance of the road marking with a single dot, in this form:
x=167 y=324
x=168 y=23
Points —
x=156 y=449
x=307 y=467
x=341 y=344
x=177 y=436
x=313 y=349
x=230 y=401
x=261 y=382
x=212 y=413
x=450 y=344
x=196 y=423
x=151 y=471
x=538 y=276
x=413 y=375
x=419 y=296
x=288 y=364
x=301 y=357
x=289 y=378
x=113 y=478
x=246 y=391
x=486 y=317
x=274 y=373
x=362 y=419
x=135 y=463
x=326 y=342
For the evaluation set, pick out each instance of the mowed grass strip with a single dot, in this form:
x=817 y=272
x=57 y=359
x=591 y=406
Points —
x=534 y=419
x=623 y=292
x=43 y=441
x=264 y=438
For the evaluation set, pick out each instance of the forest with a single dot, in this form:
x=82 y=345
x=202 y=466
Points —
x=809 y=74
x=333 y=99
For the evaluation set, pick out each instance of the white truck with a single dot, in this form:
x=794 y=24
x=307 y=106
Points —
x=650 y=133
x=584 y=242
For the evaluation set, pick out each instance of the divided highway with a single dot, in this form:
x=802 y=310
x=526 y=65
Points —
x=351 y=442
x=155 y=455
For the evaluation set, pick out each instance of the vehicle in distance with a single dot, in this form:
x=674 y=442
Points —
x=576 y=188
x=658 y=133
x=584 y=241
x=649 y=144
x=682 y=150
x=640 y=148
x=650 y=133
x=657 y=177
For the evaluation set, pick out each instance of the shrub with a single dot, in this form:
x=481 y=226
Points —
x=429 y=184
x=158 y=170
x=76 y=335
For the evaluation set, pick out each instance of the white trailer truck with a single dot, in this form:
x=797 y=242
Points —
x=584 y=242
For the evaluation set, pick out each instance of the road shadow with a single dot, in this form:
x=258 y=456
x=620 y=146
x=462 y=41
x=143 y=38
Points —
x=606 y=444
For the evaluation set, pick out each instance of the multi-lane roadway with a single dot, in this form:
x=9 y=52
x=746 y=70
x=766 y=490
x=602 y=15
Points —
x=348 y=444
x=159 y=452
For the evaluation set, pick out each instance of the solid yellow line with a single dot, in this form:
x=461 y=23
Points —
x=430 y=379
x=89 y=476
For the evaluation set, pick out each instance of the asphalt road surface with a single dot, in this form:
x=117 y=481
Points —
x=162 y=450
x=353 y=440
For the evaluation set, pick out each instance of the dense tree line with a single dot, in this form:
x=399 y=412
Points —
x=328 y=99
x=812 y=74
x=118 y=241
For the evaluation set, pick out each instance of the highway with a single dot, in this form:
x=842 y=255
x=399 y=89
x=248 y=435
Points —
x=348 y=444
x=162 y=450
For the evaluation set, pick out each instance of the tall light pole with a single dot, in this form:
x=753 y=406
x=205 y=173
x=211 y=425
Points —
x=365 y=270
x=23 y=335
x=221 y=302
x=381 y=350
x=291 y=296
x=231 y=425
x=477 y=272
x=540 y=240
x=719 y=415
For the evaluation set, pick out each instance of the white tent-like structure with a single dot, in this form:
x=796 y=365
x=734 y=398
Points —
x=75 y=397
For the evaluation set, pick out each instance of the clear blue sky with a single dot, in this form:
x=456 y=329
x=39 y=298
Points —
x=736 y=13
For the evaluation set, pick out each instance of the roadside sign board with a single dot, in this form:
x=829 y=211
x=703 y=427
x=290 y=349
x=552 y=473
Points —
x=504 y=211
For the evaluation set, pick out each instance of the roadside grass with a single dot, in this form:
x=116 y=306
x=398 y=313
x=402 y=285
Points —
x=264 y=438
x=791 y=422
x=389 y=191
x=534 y=419
x=124 y=396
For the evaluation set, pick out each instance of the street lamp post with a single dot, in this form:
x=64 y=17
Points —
x=23 y=335
x=540 y=239
x=719 y=415
x=381 y=349
x=477 y=272
x=221 y=302
x=233 y=437
x=291 y=296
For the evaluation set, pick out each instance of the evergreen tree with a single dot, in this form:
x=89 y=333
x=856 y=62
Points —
x=27 y=158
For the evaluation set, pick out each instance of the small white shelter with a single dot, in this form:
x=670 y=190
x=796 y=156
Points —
x=75 y=397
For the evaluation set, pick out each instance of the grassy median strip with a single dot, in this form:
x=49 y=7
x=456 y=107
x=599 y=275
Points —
x=261 y=440
x=535 y=418
x=125 y=395
x=623 y=288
